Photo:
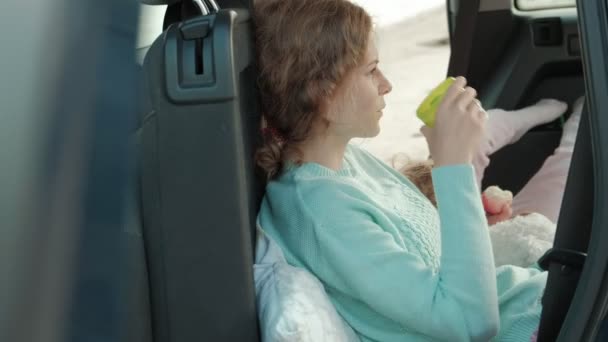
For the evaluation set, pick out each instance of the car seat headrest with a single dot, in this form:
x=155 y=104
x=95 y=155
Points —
x=159 y=2
x=206 y=6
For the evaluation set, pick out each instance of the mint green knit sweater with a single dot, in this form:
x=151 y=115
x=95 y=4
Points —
x=396 y=268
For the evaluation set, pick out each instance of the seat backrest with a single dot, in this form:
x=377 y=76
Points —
x=138 y=326
x=199 y=193
x=138 y=316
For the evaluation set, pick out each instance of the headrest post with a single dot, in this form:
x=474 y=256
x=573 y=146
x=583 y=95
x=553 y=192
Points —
x=214 y=6
x=202 y=6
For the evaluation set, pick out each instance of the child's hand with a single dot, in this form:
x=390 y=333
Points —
x=497 y=204
x=505 y=214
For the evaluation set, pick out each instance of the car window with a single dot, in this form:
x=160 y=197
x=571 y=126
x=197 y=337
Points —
x=150 y=24
x=530 y=5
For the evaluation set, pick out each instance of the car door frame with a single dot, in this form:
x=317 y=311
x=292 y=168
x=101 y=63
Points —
x=590 y=300
x=589 y=304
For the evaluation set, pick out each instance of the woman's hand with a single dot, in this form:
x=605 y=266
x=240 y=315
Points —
x=459 y=126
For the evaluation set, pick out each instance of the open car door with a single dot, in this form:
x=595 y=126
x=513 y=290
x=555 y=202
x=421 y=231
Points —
x=515 y=53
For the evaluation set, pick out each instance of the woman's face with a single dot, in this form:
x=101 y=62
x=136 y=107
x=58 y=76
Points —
x=356 y=108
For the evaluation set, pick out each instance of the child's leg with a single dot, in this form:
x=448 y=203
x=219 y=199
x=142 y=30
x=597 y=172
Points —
x=544 y=191
x=506 y=127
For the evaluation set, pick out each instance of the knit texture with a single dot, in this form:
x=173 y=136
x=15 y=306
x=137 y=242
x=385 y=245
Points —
x=396 y=268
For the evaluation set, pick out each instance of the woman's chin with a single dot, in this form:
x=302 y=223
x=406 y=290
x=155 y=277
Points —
x=370 y=132
x=375 y=132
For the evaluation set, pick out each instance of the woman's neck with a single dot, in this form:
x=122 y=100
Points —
x=327 y=150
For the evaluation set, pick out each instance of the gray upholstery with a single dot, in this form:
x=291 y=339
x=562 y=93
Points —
x=137 y=295
x=199 y=194
x=138 y=327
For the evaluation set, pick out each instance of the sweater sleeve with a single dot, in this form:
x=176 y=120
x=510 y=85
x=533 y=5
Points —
x=467 y=261
x=362 y=260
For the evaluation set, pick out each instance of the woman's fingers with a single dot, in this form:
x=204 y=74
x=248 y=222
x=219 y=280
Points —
x=458 y=126
x=477 y=110
x=426 y=131
x=466 y=98
x=455 y=90
x=474 y=106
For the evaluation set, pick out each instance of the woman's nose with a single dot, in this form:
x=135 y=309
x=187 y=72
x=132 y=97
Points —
x=385 y=86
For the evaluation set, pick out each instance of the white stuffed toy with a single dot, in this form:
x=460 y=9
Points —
x=520 y=240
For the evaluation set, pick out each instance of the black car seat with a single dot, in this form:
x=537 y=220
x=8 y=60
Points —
x=137 y=310
x=199 y=194
x=566 y=259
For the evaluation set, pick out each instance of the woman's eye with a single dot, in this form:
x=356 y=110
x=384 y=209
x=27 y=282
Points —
x=373 y=71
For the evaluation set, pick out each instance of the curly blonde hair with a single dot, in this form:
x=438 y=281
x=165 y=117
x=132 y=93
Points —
x=304 y=50
x=420 y=174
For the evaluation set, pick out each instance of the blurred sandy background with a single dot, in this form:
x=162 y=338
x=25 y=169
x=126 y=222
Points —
x=414 y=54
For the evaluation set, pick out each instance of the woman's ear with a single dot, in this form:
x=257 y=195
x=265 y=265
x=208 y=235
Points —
x=325 y=108
x=336 y=102
x=331 y=106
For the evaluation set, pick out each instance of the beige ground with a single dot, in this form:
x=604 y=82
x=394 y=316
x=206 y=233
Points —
x=414 y=56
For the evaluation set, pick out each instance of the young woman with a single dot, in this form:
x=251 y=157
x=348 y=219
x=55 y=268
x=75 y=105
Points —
x=395 y=267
